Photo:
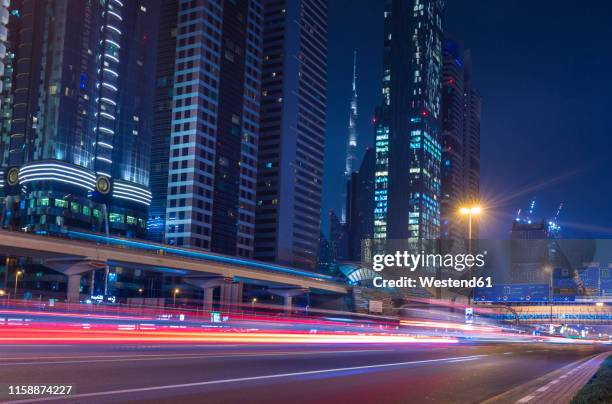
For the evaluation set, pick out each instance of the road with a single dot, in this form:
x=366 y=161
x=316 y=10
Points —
x=419 y=373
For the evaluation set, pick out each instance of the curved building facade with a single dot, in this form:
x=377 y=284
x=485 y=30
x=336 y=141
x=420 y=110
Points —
x=76 y=143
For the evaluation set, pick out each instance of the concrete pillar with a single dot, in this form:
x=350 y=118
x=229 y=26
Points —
x=74 y=288
x=73 y=268
x=208 y=285
x=231 y=296
x=207 y=300
x=288 y=294
x=288 y=303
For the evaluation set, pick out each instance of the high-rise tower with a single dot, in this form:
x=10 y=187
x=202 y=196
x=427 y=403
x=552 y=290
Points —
x=76 y=145
x=407 y=124
x=351 y=147
x=292 y=133
x=162 y=120
x=215 y=125
x=460 y=141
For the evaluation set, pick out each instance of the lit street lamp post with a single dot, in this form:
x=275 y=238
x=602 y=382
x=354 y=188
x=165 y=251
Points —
x=174 y=293
x=17 y=274
x=549 y=269
x=470 y=211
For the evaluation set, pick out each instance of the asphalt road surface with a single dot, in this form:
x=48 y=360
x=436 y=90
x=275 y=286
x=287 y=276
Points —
x=410 y=373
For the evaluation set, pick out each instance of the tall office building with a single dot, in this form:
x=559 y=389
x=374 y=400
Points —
x=215 y=124
x=4 y=20
x=351 y=147
x=407 y=124
x=76 y=147
x=461 y=106
x=162 y=118
x=360 y=206
x=292 y=133
x=338 y=238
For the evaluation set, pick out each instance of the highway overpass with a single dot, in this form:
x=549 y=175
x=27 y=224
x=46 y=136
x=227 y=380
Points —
x=79 y=253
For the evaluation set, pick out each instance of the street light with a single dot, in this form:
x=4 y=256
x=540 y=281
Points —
x=174 y=293
x=548 y=269
x=470 y=211
x=253 y=301
x=17 y=274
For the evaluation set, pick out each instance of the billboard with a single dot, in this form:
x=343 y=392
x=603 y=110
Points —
x=605 y=278
x=518 y=293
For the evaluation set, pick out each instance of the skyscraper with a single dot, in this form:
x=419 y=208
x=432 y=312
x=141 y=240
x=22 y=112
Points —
x=292 y=133
x=360 y=206
x=76 y=147
x=162 y=119
x=461 y=106
x=351 y=147
x=407 y=124
x=215 y=124
x=4 y=19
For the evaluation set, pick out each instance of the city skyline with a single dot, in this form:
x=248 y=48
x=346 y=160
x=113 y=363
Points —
x=571 y=174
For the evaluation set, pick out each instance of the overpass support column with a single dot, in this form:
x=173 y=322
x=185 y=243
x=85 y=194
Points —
x=288 y=294
x=73 y=268
x=207 y=299
x=231 y=296
x=73 y=291
x=208 y=285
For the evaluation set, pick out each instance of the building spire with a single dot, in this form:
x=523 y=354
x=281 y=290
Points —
x=351 y=148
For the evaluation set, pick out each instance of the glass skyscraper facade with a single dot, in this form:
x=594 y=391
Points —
x=162 y=118
x=76 y=145
x=460 y=141
x=292 y=133
x=215 y=124
x=407 y=124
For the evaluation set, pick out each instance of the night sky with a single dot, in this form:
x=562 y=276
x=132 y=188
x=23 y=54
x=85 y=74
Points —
x=544 y=70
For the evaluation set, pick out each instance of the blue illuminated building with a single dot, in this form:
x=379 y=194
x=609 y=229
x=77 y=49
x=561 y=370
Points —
x=407 y=138
x=76 y=149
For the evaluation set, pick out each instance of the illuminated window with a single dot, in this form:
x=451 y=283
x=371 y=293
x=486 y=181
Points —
x=116 y=218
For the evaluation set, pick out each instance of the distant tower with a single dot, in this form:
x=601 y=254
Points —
x=351 y=147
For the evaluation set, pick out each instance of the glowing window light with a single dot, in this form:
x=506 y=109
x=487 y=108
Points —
x=110 y=41
x=39 y=170
x=115 y=15
x=111 y=57
x=38 y=174
x=108 y=101
x=104 y=144
x=114 y=29
x=106 y=130
x=104 y=159
x=114 y=73
x=132 y=187
x=109 y=86
x=135 y=194
x=70 y=181
x=106 y=115
x=130 y=198
x=56 y=167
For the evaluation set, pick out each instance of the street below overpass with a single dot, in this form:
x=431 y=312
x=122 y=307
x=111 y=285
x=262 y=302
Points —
x=223 y=373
